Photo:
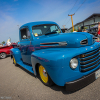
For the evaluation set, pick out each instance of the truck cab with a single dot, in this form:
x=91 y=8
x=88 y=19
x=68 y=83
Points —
x=66 y=59
x=29 y=39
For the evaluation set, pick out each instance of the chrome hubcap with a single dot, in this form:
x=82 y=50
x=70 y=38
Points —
x=44 y=73
x=3 y=55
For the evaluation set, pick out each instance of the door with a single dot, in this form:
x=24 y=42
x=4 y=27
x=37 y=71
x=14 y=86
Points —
x=25 y=45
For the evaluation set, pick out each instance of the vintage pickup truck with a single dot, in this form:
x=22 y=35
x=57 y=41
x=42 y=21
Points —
x=66 y=59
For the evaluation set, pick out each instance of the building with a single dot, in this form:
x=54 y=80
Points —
x=88 y=22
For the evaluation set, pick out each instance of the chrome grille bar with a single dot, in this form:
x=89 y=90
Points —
x=89 y=60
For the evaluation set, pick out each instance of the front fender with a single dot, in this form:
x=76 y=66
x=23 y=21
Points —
x=16 y=53
x=56 y=61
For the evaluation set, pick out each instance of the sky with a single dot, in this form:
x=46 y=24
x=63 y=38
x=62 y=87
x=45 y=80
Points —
x=14 y=13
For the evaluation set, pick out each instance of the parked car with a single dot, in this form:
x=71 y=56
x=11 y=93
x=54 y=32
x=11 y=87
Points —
x=93 y=30
x=5 y=50
x=66 y=59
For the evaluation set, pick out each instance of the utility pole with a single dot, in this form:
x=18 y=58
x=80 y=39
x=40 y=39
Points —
x=72 y=21
x=64 y=26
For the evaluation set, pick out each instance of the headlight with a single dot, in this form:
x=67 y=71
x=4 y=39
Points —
x=73 y=63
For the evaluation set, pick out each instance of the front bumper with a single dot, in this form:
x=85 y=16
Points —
x=80 y=83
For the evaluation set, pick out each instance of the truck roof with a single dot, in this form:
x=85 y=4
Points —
x=37 y=23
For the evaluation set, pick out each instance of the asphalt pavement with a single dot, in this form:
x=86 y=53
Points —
x=18 y=84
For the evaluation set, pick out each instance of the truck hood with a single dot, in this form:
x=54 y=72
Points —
x=68 y=40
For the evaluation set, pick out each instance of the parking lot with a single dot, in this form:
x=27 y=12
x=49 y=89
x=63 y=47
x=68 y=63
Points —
x=18 y=84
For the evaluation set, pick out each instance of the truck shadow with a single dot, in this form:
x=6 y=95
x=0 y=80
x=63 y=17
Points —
x=54 y=87
x=26 y=71
x=62 y=89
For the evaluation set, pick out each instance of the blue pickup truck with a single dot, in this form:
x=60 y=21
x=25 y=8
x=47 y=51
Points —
x=66 y=59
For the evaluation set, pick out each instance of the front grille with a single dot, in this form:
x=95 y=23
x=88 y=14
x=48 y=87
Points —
x=89 y=61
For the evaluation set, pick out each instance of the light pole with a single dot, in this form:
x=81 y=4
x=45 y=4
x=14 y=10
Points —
x=18 y=29
x=18 y=26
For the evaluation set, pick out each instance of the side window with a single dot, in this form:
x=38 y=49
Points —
x=25 y=33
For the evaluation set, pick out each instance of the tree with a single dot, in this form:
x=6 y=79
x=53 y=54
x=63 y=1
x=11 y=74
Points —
x=3 y=42
x=72 y=30
x=85 y=28
x=92 y=25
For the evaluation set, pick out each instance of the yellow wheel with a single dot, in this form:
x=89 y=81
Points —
x=43 y=74
x=44 y=77
x=14 y=61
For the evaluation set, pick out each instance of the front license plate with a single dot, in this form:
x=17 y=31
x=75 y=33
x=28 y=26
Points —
x=97 y=74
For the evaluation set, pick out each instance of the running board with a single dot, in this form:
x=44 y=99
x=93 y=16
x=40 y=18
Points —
x=27 y=67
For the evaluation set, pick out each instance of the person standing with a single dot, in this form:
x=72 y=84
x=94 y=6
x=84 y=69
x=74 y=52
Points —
x=84 y=30
x=98 y=32
x=79 y=30
x=8 y=42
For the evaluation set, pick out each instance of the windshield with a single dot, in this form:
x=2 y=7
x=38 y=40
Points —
x=44 y=29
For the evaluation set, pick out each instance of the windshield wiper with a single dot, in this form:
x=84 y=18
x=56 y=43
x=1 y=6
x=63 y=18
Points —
x=54 y=32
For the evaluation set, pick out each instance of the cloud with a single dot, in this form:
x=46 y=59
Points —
x=42 y=10
x=51 y=10
x=8 y=28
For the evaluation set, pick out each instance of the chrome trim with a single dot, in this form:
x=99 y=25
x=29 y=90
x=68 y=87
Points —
x=84 y=40
x=64 y=43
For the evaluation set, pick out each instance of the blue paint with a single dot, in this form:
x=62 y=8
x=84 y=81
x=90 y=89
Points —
x=27 y=67
x=56 y=60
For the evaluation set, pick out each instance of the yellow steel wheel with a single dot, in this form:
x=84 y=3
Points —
x=43 y=74
x=14 y=61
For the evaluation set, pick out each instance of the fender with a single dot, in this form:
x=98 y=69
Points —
x=55 y=61
x=16 y=53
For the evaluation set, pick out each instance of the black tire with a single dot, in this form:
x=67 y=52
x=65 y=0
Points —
x=3 y=55
x=48 y=81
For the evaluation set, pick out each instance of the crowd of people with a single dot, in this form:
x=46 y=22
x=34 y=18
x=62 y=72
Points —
x=6 y=44
x=98 y=32
x=80 y=30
